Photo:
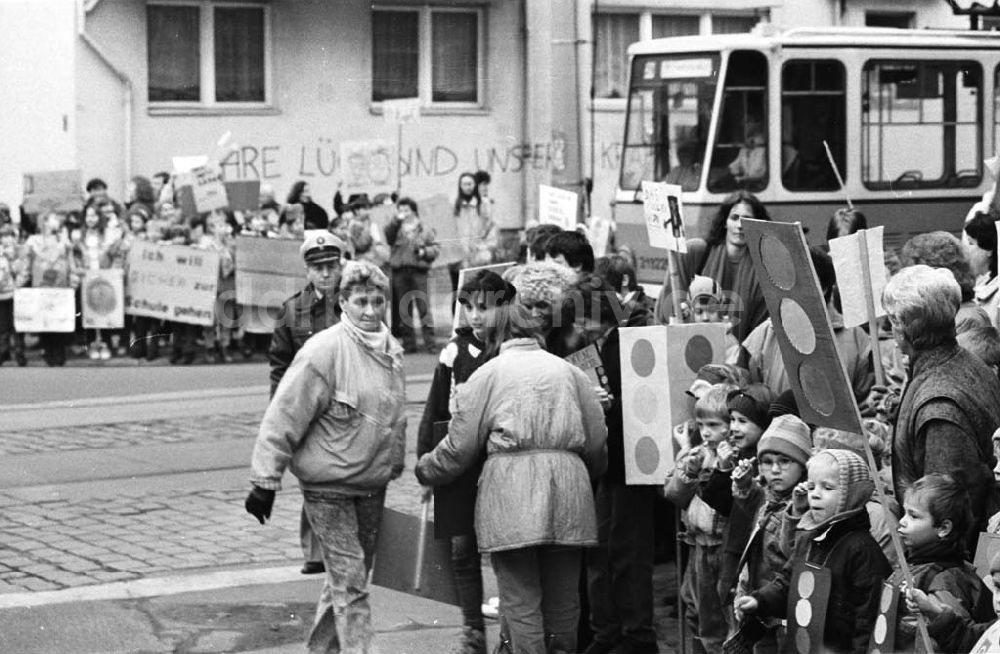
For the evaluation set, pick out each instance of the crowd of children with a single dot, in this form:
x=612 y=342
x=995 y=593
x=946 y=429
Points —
x=788 y=543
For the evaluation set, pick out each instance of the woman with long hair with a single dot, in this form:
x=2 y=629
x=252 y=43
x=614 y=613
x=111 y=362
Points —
x=316 y=216
x=477 y=233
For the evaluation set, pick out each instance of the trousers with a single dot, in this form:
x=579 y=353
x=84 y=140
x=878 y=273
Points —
x=347 y=528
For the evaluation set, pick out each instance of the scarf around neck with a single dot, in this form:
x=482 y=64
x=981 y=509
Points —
x=378 y=341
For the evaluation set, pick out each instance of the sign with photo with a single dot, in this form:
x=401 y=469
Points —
x=103 y=297
x=664 y=213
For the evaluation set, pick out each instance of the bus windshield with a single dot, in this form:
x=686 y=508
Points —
x=669 y=114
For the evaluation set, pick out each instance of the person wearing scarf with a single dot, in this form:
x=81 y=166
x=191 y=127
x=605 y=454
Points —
x=724 y=257
x=337 y=421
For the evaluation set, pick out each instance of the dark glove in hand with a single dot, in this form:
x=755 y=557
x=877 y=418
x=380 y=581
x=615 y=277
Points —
x=259 y=503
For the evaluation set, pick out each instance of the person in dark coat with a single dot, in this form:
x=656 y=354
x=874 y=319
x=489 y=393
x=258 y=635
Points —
x=951 y=405
x=834 y=534
x=455 y=503
x=316 y=216
x=308 y=312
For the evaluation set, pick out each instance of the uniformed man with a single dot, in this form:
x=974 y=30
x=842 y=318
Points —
x=308 y=312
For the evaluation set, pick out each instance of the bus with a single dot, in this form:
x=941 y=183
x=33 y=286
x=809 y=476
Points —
x=907 y=116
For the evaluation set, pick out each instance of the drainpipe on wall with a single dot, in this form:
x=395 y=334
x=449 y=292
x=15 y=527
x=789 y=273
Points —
x=85 y=7
x=580 y=20
x=526 y=204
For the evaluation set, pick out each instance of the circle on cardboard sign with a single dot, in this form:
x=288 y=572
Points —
x=647 y=455
x=802 y=641
x=777 y=262
x=797 y=326
x=100 y=296
x=881 y=630
x=697 y=352
x=803 y=612
x=887 y=593
x=643 y=357
x=644 y=405
x=807 y=584
x=816 y=387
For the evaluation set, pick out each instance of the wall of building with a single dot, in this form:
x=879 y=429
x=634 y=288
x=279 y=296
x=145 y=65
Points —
x=37 y=75
x=321 y=100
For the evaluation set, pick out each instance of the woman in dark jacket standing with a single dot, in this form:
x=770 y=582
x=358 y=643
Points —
x=316 y=216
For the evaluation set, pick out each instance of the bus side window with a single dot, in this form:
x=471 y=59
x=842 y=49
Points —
x=739 y=157
x=921 y=124
x=813 y=110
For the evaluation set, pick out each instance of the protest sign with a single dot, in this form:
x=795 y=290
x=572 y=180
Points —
x=56 y=190
x=849 y=254
x=103 y=297
x=207 y=189
x=44 y=310
x=404 y=110
x=557 y=206
x=187 y=163
x=368 y=165
x=658 y=366
x=268 y=272
x=464 y=274
x=438 y=213
x=589 y=361
x=172 y=282
x=663 y=210
x=399 y=566
x=600 y=236
x=243 y=195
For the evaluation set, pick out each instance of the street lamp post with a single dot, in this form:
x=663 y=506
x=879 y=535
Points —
x=974 y=9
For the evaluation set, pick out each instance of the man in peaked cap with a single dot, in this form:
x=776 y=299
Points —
x=308 y=312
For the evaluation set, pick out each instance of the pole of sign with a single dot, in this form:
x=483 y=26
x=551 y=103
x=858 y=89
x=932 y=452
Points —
x=836 y=171
x=870 y=308
x=399 y=155
x=679 y=553
x=421 y=545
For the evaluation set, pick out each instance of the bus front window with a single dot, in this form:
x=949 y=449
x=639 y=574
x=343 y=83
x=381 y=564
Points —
x=669 y=111
x=739 y=158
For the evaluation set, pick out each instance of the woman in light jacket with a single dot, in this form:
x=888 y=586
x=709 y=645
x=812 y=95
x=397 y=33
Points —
x=542 y=427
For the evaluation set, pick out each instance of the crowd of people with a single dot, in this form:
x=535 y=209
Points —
x=525 y=456
x=57 y=249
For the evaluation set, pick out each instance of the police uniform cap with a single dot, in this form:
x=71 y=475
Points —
x=320 y=246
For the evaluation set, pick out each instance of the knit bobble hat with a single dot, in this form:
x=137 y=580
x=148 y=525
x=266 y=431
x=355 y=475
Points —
x=787 y=435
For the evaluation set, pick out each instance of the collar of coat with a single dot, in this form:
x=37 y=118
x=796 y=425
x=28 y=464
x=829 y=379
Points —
x=520 y=344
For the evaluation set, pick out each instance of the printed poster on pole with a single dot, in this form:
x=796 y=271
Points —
x=847 y=256
x=664 y=213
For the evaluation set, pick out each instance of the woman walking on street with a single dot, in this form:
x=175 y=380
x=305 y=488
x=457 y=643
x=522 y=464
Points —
x=337 y=420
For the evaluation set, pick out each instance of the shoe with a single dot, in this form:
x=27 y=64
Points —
x=21 y=360
x=175 y=356
x=120 y=351
x=4 y=357
x=93 y=353
x=313 y=568
x=472 y=641
x=104 y=351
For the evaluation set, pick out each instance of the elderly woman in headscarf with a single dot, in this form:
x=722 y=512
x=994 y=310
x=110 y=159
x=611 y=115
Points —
x=541 y=426
x=951 y=406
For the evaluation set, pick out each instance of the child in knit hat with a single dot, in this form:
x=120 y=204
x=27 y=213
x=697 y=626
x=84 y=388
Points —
x=832 y=534
x=747 y=421
x=782 y=454
x=954 y=630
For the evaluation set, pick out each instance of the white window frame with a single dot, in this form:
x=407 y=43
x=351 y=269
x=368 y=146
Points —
x=425 y=61
x=646 y=33
x=206 y=47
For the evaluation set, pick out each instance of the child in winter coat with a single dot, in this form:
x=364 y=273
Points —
x=704 y=525
x=832 y=535
x=748 y=418
x=952 y=628
x=455 y=503
x=782 y=454
x=937 y=515
x=413 y=251
x=10 y=267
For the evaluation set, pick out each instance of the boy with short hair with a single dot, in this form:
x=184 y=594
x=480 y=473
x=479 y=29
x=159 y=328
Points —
x=704 y=526
x=570 y=249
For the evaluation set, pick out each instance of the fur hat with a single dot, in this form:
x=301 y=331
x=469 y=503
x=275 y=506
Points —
x=787 y=435
x=542 y=281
